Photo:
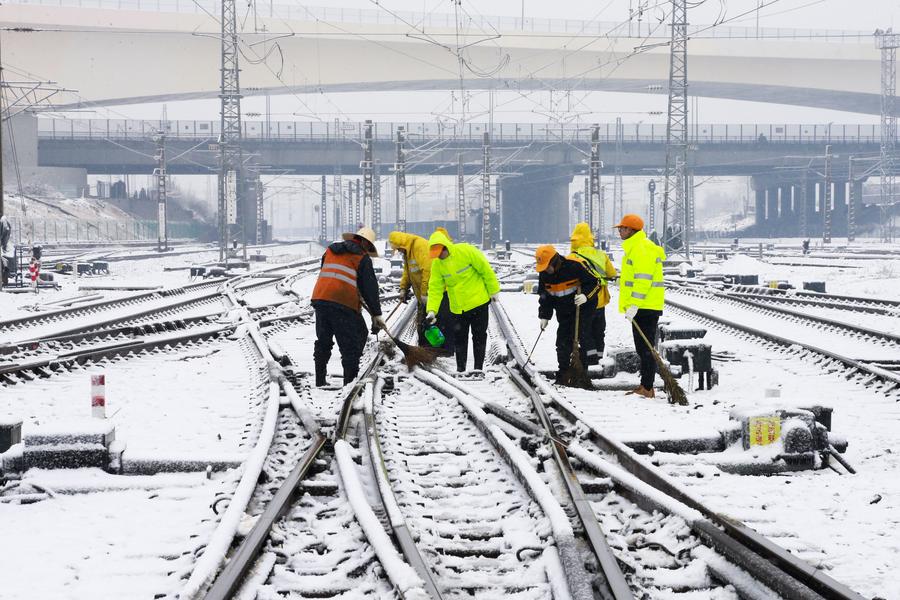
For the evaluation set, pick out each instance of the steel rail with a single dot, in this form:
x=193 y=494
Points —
x=814 y=318
x=731 y=537
x=377 y=465
x=852 y=363
x=229 y=580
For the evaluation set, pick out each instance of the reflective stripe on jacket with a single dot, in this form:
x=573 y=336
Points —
x=416 y=264
x=337 y=280
x=641 y=282
x=563 y=288
x=465 y=274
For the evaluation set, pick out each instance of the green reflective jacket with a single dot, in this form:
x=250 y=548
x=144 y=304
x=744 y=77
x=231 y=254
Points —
x=465 y=274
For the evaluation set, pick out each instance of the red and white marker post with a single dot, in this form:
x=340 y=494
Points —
x=98 y=396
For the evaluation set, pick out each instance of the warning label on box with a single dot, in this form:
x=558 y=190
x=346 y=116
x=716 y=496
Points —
x=764 y=430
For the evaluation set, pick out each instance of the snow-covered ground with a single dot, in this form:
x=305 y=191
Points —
x=99 y=540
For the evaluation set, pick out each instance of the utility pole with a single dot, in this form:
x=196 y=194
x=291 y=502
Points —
x=348 y=224
x=260 y=212
x=323 y=213
x=586 y=203
x=486 y=241
x=888 y=42
x=498 y=202
x=804 y=208
x=376 y=198
x=826 y=208
x=596 y=224
x=618 y=202
x=851 y=203
x=230 y=159
x=651 y=212
x=337 y=197
x=357 y=207
x=162 y=235
x=673 y=237
x=400 y=172
x=460 y=198
x=366 y=166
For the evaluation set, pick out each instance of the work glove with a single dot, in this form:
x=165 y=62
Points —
x=544 y=323
x=580 y=299
x=404 y=295
x=430 y=318
x=631 y=312
x=378 y=323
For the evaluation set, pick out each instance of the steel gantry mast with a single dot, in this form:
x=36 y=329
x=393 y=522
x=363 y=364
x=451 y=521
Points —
x=674 y=235
x=162 y=235
x=323 y=212
x=368 y=173
x=460 y=198
x=376 y=198
x=486 y=241
x=828 y=205
x=400 y=188
x=888 y=42
x=618 y=202
x=596 y=207
x=230 y=206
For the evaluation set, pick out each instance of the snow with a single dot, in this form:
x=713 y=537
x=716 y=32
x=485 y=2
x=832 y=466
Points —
x=399 y=571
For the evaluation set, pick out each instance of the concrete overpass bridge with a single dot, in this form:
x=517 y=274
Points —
x=545 y=158
x=127 y=51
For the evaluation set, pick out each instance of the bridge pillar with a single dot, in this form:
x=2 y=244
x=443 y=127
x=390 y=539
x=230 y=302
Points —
x=772 y=219
x=787 y=217
x=535 y=206
x=760 y=207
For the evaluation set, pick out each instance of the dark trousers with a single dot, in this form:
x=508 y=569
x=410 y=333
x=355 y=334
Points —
x=447 y=324
x=647 y=320
x=598 y=335
x=565 y=336
x=476 y=320
x=334 y=321
x=420 y=322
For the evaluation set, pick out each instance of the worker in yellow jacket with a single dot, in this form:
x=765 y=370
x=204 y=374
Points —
x=465 y=274
x=598 y=263
x=416 y=271
x=641 y=293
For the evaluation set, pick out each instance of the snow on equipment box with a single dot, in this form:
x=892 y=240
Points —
x=814 y=286
x=669 y=331
x=70 y=445
x=10 y=433
x=691 y=356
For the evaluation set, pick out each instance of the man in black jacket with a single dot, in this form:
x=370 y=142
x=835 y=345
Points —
x=563 y=285
x=347 y=276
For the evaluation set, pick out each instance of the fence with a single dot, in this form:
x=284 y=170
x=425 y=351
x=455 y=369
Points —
x=326 y=132
x=42 y=231
x=644 y=28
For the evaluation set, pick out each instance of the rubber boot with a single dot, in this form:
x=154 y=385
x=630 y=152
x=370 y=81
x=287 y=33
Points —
x=349 y=377
x=321 y=375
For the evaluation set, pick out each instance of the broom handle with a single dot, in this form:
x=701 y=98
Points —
x=644 y=337
x=575 y=348
x=540 y=333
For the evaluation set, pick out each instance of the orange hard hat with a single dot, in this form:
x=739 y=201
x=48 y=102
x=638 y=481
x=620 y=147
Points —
x=631 y=222
x=435 y=250
x=544 y=254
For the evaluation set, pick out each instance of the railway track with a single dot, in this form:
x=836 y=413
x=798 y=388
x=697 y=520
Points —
x=474 y=515
x=868 y=363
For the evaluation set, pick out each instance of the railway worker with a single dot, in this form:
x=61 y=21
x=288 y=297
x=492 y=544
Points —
x=641 y=293
x=346 y=280
x=416 y=270
x=563 y=285
x=597 y=261
x=462 y=271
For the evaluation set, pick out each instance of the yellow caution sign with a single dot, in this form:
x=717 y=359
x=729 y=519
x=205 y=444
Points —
x=764 y=430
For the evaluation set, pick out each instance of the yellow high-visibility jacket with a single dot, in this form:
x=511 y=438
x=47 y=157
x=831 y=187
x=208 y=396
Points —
x=416 y=264
x=583 y=251
x=641 y=282
x=465 y=274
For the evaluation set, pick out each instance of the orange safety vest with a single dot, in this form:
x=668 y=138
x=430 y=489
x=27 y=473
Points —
x=337 y=279
x=561 y=289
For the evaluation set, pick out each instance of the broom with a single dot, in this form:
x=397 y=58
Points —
x=413 y=355
x=674 y=392
x=575 y=375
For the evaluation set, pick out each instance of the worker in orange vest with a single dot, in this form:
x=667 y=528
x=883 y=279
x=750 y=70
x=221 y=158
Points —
x=347 y=279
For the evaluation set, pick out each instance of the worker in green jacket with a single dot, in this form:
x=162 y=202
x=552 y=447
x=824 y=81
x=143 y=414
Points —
x=465 y=274
x=641 y=293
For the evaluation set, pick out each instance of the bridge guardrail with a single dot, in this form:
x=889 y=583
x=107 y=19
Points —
x=501 y=133
x=643 y=28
